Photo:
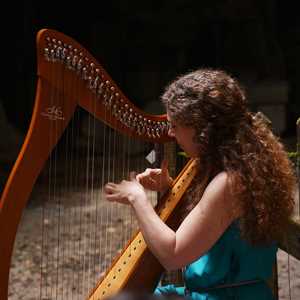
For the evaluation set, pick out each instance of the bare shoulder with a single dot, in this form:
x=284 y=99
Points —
x=219 y=191
x=219 y=183
x=222 y=176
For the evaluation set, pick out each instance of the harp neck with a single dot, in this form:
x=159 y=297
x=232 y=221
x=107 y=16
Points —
x=99 y=94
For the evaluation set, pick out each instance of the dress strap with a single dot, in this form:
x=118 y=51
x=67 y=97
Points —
x=223 y=286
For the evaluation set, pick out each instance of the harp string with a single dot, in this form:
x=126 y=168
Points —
x=80 y=233
x=67 y=210
x=77 y=211
x=49 y=279
x=95 y=195
x=61 y=196
x=89 y=199
x=73 y=166
x=72 y=211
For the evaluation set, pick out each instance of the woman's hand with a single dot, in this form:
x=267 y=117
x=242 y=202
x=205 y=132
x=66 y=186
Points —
x=126 y=192
x=156 y=179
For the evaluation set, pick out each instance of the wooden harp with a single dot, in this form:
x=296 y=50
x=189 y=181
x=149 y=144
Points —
x=69 y=77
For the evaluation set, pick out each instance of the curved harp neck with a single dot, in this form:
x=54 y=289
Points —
x=99 y=95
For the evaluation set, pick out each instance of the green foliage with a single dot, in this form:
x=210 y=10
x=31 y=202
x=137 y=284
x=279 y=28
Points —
x=182 y=154
x=294 y=154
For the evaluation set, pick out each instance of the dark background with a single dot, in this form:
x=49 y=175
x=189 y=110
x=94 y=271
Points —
x=145 y=44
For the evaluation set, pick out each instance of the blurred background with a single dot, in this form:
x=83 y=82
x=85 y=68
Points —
x=144 y=44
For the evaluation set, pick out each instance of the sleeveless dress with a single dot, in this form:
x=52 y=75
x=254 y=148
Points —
x=230 y=260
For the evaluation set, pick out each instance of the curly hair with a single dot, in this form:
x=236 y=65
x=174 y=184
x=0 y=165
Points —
x=233 y=140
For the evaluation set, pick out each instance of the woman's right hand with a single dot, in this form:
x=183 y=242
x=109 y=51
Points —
x=156 y=179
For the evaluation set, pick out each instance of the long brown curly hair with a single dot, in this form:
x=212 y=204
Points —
x=232 y=139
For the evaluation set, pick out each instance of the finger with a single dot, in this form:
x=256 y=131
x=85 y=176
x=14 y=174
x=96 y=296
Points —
x=149 y=183
x=142 y=180
x=132 y=176
x=152 y=182
x=138 y=177
x=155 y=174
x=110 y=188
x=164 y=166
x=150 y=172
x=111 y=197
x=147 y=173
x=111 y=184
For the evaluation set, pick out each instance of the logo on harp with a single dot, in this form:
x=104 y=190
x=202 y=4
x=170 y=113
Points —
x=53 y=113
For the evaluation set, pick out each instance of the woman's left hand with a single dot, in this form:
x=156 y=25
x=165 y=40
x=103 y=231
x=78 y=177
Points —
x=126 y=192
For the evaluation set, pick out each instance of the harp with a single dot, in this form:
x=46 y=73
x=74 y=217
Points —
x=70 y=78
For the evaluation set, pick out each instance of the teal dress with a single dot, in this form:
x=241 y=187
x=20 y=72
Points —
x=231 y=260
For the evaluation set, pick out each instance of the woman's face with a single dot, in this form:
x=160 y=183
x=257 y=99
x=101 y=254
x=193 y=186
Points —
x=184 y=136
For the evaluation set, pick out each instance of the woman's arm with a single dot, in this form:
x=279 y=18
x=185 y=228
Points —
x=198 y=232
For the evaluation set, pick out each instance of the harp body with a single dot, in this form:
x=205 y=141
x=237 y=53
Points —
x=63 y=60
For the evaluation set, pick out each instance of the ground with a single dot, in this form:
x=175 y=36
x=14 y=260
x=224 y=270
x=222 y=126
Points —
x=76 y=254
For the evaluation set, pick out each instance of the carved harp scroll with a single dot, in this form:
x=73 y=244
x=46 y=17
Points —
x=70 y=73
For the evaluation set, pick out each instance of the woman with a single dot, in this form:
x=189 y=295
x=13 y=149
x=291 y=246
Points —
x=226 y=242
